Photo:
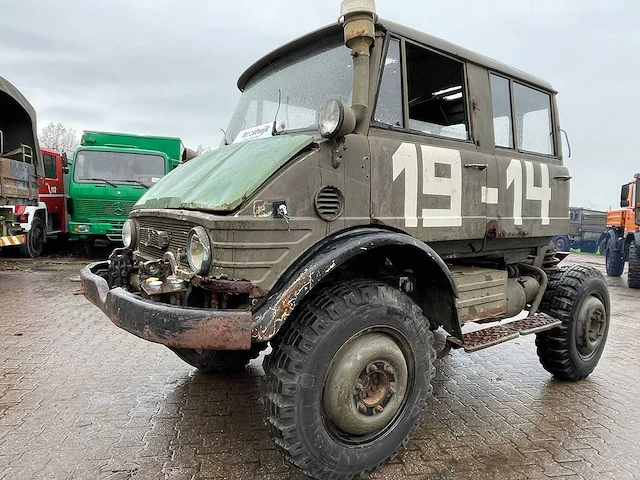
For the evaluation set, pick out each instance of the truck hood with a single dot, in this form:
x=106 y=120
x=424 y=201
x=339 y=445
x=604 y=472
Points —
x=222 y=179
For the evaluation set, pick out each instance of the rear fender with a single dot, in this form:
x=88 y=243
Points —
x=332 y=253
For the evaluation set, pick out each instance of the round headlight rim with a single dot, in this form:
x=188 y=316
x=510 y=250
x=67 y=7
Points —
x=133 y=227
x=346 y=118
x=206 y=261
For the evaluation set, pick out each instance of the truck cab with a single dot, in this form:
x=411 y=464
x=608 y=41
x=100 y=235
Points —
x=377 y=185
x=107 y=176
x=622 y=243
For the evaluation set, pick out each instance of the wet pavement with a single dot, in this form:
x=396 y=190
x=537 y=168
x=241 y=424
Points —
x=82 y=399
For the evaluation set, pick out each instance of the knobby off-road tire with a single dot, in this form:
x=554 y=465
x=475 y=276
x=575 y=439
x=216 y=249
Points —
x=614 y=262
x=35 y=240
x=578 y=296
x=348 y=379
x=219 y=361
x=634 y=266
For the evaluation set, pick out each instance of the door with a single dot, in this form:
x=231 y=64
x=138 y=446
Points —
x=427 y=176
x=532 y=196
x=52 y=191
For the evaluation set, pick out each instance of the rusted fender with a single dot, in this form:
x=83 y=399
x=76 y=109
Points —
x=321 y=260
x=173 y=326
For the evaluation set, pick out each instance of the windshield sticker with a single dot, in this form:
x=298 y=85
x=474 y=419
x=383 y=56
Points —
x=254 y=133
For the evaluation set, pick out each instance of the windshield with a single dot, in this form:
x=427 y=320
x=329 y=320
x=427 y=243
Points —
x=301 y=82
x=124 y=167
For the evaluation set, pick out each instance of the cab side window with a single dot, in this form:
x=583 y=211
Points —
x=533 y=120
x=389 y=106
x=436 y=96
x=502 y=121
x=49 y=166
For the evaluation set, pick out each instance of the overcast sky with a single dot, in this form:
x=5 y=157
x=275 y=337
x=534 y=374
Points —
x=170 y=68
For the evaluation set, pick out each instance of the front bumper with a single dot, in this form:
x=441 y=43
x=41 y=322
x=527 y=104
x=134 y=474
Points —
x=173 y=326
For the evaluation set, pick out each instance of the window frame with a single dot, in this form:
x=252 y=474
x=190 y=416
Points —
x=405 y=91
x=55 y=169
x=516 y=144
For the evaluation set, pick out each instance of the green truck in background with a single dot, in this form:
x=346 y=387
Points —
x=108 y=174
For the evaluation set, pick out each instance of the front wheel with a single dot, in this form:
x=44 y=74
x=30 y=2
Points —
x=348 y=379
x=579 y=297
x=219 y=361
x=614 y=261
x=634 y=265
x=562 y=243
x=35 y=240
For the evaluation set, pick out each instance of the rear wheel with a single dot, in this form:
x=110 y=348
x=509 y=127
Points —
x=562 y=243
x=348 y=379
x=579 y=297
x=634 y=266
x=35 y=240
x=219 y=361
x=614 y=261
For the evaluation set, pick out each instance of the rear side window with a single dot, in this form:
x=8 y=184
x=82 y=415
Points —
x=49 y=166
x=502 y=121
x=533 y=120
x=436 y=94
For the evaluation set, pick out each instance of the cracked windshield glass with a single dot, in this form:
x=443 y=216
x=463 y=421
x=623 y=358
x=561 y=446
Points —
x=291 y=90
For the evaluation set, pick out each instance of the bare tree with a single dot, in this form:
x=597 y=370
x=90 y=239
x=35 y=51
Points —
x=202 y=149
x=59 y=138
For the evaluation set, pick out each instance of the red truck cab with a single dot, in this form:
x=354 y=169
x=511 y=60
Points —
x=52 y=191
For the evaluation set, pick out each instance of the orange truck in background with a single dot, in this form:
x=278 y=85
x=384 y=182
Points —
x=623 y=234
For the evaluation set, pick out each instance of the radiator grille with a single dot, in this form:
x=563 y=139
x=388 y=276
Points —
x=91 y=208
x=178 y=231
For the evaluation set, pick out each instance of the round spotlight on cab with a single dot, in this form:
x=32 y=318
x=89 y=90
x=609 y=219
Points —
x=130 y=233
x=199 y=250
x=336 y=119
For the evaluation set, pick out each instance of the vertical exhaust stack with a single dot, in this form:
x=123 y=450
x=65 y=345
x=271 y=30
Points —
x=359 y=21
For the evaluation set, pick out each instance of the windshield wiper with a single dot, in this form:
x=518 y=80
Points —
x=136 y=182
x=101 y=180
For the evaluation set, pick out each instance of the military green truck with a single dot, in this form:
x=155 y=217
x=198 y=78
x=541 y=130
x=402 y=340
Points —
x=370 y=197
x=20 y=167
x=108 y=174
x=587 y=231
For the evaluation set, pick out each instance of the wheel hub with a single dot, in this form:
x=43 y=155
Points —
x=374 y=387
x=592 y=321
x=366 y=384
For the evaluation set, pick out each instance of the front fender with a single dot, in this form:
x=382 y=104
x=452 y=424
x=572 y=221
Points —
x=324 y=258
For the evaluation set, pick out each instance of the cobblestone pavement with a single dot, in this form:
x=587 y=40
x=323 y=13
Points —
x=82 y=399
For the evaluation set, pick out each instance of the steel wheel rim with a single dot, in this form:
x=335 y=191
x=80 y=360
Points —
x=357 y=409
x=591 y=327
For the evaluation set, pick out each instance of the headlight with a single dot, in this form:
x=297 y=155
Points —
x=81 y=228
x=130 y=233
x=336 y=119
x=199 y=250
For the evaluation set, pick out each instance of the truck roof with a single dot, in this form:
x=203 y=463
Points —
x=335 y=29
x=171 y=146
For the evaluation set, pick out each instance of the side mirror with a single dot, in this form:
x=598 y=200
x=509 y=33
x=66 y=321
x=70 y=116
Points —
x=65 y=161
x=624 y=196
x=188 y=154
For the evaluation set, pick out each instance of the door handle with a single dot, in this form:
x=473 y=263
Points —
x=563 y=178
x=476 y=166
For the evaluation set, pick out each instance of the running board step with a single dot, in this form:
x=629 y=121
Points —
x=488 y=337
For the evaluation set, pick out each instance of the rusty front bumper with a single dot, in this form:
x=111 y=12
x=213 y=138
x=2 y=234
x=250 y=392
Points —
x=177 y=327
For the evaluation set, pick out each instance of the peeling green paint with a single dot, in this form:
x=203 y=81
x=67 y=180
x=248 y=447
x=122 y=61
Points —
x=220 y=180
